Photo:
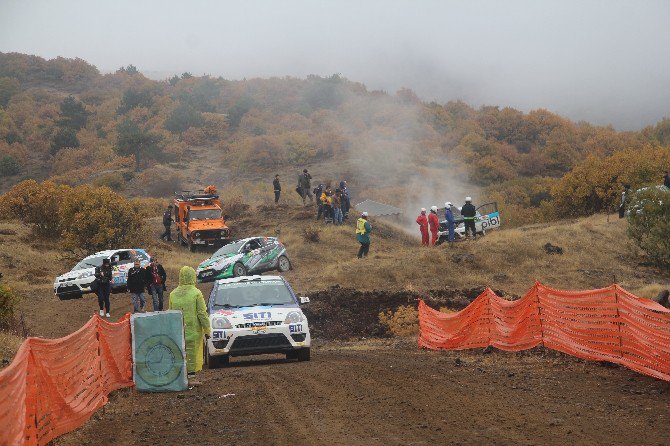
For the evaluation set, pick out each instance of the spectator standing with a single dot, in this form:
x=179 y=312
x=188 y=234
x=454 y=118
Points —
x=188 y=299
x=167 y=224
x=624 y=201
x=469 y=213
x=422 y=221
x=305 y=186
x=136 y=283
x=346 y=199
x=337 y=207
x=277 y=188
x=433 y=224
x=156 y=277
x=363 y=229
x=449 y=216
x=103 y=277
x=327 y=202
x=318 y=190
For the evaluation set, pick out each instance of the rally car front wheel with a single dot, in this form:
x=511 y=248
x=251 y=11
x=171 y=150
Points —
x=283 y=264
x=215 y=362
x=239 y=270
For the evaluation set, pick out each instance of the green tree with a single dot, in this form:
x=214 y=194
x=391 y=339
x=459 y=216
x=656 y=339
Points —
x=8 y=88
x=65 y=137
x=649 y=224
x=134 y=97
x=182 y=118
x=137 y=141
x=73 y=114
x=9 y=166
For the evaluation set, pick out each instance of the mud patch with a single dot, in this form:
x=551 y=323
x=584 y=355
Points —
x=343 y=313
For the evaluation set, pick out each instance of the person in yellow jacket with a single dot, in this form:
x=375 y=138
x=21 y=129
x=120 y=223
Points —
x=327 y=202
x=187 y=298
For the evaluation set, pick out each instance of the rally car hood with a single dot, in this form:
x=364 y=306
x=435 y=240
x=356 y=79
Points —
x=220 y=261
x=201 y=225
x=263 y=313
x=72 y=275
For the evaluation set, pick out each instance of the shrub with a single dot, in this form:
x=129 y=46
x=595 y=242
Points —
x=9 y=166
x=36 y=204
x=112 y=180
x=8 y=300
x=402 y=322
x=649 y=224
x=96 y=218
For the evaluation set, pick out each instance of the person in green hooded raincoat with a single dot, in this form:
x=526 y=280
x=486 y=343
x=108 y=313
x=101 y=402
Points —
x=187 y=298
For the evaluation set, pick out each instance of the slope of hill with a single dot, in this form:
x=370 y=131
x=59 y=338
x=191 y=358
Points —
x=148 y=137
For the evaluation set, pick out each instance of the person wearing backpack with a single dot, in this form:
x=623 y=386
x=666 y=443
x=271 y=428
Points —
x=156 y=278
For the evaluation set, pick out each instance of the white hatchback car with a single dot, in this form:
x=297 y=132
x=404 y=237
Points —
x=254 y=315
x=77 y=282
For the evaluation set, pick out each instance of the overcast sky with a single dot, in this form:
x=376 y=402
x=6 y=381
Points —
x=600 y=61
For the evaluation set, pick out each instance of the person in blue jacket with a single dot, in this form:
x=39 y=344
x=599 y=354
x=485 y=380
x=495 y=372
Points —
x=449 y=216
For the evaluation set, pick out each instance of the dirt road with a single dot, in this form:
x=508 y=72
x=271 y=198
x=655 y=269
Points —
x=389 y=392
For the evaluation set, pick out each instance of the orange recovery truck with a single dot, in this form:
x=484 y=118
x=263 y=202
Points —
x=199 y=219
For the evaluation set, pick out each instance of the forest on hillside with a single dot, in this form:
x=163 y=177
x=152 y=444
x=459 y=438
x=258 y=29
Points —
x=62 y=119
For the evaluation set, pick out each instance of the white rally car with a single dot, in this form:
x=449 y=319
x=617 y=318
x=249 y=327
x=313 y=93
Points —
x=254 y=315
x=77 y=282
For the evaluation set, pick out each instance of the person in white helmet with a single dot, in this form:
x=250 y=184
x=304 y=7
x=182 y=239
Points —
x=422 y=221
x=469 y=212
x=434 y=224
x=363 y=229
x=449 y=216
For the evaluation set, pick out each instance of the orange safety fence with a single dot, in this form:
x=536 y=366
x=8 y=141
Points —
x=53 y=386
x=608 y=324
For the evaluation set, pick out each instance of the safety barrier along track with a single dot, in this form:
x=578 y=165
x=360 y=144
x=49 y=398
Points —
x=609 y=324
x=53 y=386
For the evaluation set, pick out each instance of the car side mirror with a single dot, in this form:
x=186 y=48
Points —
x=304 y=300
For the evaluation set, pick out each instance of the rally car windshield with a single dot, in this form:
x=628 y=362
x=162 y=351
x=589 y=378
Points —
x=89 y=262
x=204 y=214
x=249 y=294
x=230 y=248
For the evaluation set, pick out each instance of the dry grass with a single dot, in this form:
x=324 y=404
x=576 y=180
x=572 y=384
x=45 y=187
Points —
x=9 y=345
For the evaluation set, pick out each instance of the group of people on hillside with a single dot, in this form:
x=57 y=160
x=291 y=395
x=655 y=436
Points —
x=151 y=278
x=430 y=222
x=331 y=205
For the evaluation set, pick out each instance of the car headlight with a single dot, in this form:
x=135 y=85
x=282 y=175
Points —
x=196 y=234
x=293 y=317
x=221 y=322
x=85 y=275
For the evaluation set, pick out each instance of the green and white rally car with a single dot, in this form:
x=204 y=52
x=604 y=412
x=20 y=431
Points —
x=252 y=255
x=255 y=315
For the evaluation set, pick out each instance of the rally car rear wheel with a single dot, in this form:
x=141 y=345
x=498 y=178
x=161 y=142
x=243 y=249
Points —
x=283 y=264
x=239 y=270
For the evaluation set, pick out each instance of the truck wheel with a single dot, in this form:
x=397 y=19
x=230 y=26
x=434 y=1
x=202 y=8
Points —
x=239 y=270
x=292 y=355
x=303 y=354
x=191 y=246
x=283 y=264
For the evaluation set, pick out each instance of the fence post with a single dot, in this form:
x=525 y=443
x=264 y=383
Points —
x=539 y=311
x=100 y=379
x=618 y=319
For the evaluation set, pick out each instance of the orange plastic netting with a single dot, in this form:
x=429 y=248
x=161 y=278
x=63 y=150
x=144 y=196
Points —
x=54 y=385
x=609 y=324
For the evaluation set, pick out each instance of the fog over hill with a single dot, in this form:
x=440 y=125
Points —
x=597 y=61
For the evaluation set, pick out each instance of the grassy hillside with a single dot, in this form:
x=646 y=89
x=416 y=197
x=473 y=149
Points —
x=595 y=254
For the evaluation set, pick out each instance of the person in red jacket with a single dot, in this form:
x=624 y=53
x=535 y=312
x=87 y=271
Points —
x=434 y=224
x=422 y=221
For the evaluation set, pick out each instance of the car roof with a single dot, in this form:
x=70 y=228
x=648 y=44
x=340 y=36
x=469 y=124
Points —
x=109 y=252
x=251 y=238
x=248 y=279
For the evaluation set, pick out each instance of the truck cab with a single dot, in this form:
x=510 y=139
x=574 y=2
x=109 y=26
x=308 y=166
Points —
x=199 y=219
